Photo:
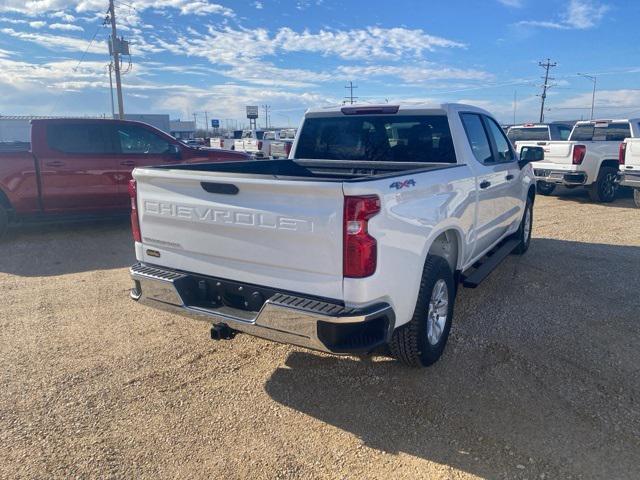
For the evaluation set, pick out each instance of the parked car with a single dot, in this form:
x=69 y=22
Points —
x=629 y=160
x=77 y=166
x=357 y=241
x=530 y=132
x=589 y=158
x=251 y=143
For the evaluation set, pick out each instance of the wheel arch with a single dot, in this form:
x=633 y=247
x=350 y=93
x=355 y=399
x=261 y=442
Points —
x=610 y=163
x=447 y=243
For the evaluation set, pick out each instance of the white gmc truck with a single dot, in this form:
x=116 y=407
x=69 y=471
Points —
x=629 y=160
x=589 y=158
x=356 y=242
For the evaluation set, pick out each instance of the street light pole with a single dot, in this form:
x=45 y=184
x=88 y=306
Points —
x=594 y=79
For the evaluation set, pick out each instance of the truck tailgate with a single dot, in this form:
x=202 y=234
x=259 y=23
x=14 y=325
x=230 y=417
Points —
x=280 y=233
x=560 y=152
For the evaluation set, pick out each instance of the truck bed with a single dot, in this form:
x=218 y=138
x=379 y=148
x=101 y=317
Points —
x=317 y=170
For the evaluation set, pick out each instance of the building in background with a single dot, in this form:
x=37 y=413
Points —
x=159 y=120
x=183 y=130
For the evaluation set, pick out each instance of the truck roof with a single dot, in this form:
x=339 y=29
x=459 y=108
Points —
x=608 y=120
x=389 y=108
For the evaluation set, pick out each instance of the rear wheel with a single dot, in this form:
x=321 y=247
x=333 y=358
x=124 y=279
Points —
x=421 y=342
x=604 y=189
x=636 y=196
x=4 y=220
x=544 y=188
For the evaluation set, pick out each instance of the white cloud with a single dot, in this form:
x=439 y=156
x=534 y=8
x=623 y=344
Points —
x=66 y=26
x=56 y=42
x=185 y=7
x=512 y=3
x=258 y=5
x=37 y=24
x=579 y=15
x=414 y=74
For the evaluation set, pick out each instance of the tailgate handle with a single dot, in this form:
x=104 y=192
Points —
x=224 y=188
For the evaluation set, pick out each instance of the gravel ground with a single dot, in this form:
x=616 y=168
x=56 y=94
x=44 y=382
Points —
x=540 y=378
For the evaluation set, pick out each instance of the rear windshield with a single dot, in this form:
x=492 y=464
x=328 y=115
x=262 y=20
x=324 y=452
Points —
x=601 y=132
x=528 y=134
x=377 y=138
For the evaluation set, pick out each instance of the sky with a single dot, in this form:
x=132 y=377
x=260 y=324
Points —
x=194 y=56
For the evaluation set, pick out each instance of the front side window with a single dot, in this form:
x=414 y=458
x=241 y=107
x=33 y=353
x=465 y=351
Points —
x=477 y=137
x=92 y=138
x=137 y=140
x=378 y=138
x=504 y=153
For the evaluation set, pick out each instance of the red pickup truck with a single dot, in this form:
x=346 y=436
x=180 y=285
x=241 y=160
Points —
x=83 y=166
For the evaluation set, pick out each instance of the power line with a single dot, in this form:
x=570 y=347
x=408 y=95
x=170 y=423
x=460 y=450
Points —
x=84 y=54
x=547 y=65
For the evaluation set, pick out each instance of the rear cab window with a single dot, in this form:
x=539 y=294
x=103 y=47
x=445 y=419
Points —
x=601 y=132
x=528 y=134
x=377 y=138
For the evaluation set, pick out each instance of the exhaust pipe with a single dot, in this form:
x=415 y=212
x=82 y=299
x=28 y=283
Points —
x=221 y=331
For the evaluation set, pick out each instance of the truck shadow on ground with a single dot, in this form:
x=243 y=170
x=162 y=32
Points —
x=543 y=382
x=57 y=249
x=624 y=196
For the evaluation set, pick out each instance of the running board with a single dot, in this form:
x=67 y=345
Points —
x=489 y=264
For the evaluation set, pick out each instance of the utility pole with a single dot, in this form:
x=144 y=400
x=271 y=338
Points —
x=515 y=105
x=266 y=115
x=547 y=65
x=195 y=122
x=113 y=108
x=594 y=79
x=206 y=123
x=350 y=98
x=116 y=58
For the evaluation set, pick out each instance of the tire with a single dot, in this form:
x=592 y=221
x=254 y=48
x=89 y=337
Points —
x=544 y=188
x=421 y=342
x=604 y=189
x=4 y=220
x=636 y=196
x=524 y=230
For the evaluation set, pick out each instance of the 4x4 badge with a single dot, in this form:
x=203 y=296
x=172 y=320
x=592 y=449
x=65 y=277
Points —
x=405 y=183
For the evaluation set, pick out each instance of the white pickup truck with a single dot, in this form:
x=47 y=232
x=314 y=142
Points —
x=356 y=242
x=629 y=160
x=589 y=158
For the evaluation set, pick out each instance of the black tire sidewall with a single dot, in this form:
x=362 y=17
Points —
x=4 y=220
x=523 y=246
x=544 y=188
x=600 y=183
x=636 y=196
x=429 y=353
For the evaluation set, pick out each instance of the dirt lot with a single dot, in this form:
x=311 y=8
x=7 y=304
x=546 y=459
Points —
x=540 y=379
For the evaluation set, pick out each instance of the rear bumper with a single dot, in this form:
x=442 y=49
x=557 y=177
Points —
x=561 y=177
x=283 y=317
x=629 y=179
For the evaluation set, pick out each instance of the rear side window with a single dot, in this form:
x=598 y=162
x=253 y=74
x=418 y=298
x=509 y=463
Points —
x=528 y=134
x=477 y=137
x=137 y=140
x=604 y=132
x=378 y=138
x=80 y=138
x=564 y=132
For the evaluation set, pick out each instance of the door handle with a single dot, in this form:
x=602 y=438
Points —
x=55 y=163
x=510 y=177
x=485 y=184
x=128 y=163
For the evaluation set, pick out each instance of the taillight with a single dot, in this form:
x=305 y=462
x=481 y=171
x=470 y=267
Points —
x=260 y=145
x=135 y=221
x=579 y=151
x=359 y=248
x=287 y=148
x=622 y=153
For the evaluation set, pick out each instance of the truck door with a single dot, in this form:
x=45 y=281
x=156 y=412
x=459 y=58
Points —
x=137 y=146
x=490 y=179
x=509 y=197
x=78 y=168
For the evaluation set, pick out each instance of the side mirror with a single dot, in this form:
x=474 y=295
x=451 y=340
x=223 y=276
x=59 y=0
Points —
x=530 y=154
x=175 y=151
